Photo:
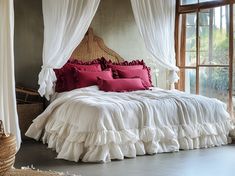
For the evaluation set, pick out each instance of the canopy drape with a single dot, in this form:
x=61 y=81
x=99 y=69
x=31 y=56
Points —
x=8 y=112
x=65 y=24
x=156 y=22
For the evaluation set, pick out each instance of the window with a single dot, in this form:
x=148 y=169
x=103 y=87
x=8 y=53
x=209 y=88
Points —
x=204 y=48
x=188 y=2
x=185 y=2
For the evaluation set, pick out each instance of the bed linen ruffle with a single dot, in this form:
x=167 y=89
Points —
x=107 y=145
x=109 y=132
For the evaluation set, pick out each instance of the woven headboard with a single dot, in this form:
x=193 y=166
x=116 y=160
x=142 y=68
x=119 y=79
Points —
x=93 y=47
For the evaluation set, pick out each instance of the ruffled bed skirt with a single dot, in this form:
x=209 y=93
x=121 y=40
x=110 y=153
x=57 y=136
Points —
x=107 y=145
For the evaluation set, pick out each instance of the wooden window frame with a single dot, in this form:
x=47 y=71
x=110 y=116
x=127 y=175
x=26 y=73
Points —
x=179 y=41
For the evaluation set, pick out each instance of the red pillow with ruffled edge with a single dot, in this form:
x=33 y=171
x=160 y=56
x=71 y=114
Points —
x=126 y=67
x=115 y=68
x=130 y=65
x=121 y=85
x=89 y=78
x=136 y=73
x=102 y=61
x=65 y=75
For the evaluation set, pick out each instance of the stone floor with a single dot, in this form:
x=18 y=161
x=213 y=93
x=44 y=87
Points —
x=218 y=161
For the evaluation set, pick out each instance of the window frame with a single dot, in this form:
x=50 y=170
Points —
x=180 y=36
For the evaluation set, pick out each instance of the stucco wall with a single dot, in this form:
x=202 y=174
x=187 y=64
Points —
x=28 y=41
x=114 y=22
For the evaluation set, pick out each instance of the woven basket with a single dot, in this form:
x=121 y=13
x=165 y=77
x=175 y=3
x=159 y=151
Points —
x=7 y=150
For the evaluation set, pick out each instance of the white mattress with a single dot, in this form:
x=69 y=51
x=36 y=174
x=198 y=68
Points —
x=93 y=125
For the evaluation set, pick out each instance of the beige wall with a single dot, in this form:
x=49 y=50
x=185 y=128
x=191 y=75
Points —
x=114 y=22
x=28 y=41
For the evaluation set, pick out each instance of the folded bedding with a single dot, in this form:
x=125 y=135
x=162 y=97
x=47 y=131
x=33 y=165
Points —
x=94 y=125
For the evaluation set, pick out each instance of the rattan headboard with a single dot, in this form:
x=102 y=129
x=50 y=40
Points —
x=93 y=47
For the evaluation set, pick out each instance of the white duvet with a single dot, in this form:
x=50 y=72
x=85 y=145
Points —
x=93 y=125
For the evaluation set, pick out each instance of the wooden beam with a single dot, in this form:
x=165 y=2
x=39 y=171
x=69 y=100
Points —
x=204 y=65
x=203 y=5
x=188 y=67
x=230 y=98
x=177 y=16
x=197 y=53
x=181 y=62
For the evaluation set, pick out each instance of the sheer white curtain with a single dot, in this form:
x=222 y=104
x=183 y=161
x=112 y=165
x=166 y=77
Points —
x=65 y=24
x=156 y=22
x=8 y=112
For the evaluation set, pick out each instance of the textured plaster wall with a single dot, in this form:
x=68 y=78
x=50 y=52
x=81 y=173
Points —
x=114 y=22
x=28 y=41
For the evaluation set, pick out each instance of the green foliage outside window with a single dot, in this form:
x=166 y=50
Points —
x=214 y=50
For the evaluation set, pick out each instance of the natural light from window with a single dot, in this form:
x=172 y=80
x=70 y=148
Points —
x=204 y=54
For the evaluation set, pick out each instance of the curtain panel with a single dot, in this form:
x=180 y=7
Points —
x=65 y=24
x=8 y=111
x=156 y=22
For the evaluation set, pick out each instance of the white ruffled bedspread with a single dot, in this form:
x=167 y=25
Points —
x=95 y=126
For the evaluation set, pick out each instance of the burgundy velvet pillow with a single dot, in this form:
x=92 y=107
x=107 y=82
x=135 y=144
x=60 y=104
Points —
x=65 y=76
x=93 y=67
x=65 y=81
x=136 y=73
x=125 y=67
x=115 y=68
x=130 y=65
x=89 y=78
x=102 y=61
x=121 y=85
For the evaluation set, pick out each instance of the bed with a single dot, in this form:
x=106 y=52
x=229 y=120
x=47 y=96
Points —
x=92 y=125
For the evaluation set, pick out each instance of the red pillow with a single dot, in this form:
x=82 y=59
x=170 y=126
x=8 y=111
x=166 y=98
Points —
x=136 y=73
x=65 y=76
x=121 y=85
x=115 y=68
x=102 y=61
x=134 y=64
x=93 y=67
x=89 y=78
x=128 y=63
x=125 y=67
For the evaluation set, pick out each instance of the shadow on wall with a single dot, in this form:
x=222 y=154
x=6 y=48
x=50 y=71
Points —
x=28 y=42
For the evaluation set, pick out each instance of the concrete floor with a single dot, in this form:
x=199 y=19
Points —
x=218 y=161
